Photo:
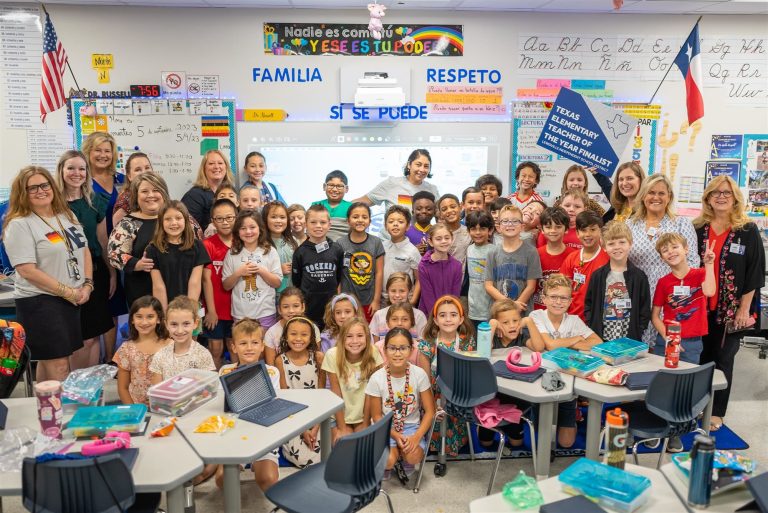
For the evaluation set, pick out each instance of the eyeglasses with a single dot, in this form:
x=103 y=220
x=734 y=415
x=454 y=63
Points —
x=34 y=189
x=559 y=299
x=399 y=349
x=721 y=194
x=225 y=219
x=510 y=222
x=333 y=186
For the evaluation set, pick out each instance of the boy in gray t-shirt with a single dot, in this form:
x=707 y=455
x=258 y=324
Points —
x=480 y=226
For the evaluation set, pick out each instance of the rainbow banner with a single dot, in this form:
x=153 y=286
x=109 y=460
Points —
x=356 y=39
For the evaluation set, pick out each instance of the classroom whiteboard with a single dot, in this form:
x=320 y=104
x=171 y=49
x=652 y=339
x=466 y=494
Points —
x=174 y=133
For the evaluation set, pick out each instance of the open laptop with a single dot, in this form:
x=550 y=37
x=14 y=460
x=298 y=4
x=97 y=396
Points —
x=248 y=391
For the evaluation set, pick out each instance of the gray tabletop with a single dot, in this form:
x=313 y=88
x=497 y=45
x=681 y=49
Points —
x=726 y=502
x=531 y=392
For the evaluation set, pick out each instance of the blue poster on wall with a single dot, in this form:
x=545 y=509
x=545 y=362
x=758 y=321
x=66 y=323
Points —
x=587 y=131
x=726 y=146
x=722 y=167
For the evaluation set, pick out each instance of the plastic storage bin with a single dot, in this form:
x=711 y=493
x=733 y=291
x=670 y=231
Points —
x=609 y=486
x=621 y=350
x=181 y=394
x=571 y=362
x=97 y=420
x=70 y=407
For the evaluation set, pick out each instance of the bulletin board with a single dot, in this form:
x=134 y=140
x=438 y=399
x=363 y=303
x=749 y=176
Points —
x=174 y=133
x=755 y=171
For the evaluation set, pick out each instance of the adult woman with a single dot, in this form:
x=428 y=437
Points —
x=255 y=168
x=397 y=190
x=739 y=273
x=136 y=164
x=74 y=182
x=214 y=170
x=576 y=178
x=653 y=216
x=129 y=240
x=53 y=277
x=629 y=179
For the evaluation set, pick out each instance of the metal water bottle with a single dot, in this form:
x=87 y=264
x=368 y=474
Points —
x=700 y=479
x=484 y=340
x=617 y=426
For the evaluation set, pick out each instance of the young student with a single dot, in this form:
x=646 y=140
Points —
x=449 y=329
x=528 y=176
x=554 y=223
x=618 y=298
x=398 y=291
x=252 y=270
x=576 y=178
x=405 y=389
x=400 y=256
x=400 y=315
x=423 y=212
x=449 y=209
x=173 y=359
x=318 y=264
x=494 y=208
x=247 y=344
x=250 y=198
x=336 y=186
x=439 y=272
x=300 y=365
x=177 y=255
x=573 y=202
x=217 y=322
x=291 y=304
x=349 y=366
x=480 y=226
x=490 y=186
x=297 y=219
x=225 y=191
x=680 y=296
x=513 y=267
x=275 y=217
x=580 y=264
x=532 y=221
x=472 y=200
x=148 y=334
x=339 y=310
x=254 y=170
x=559 y=329
x=363 y=273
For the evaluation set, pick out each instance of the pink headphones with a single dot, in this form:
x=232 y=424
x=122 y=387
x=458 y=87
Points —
x=113 y=441
x=514 y=365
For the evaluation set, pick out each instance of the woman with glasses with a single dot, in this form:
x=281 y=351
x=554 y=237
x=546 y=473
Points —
x=739 y=274
x=49 y=250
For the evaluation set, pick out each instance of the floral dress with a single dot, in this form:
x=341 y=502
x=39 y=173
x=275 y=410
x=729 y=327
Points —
x=456 y=435
x=301 y=377
x=129 y=358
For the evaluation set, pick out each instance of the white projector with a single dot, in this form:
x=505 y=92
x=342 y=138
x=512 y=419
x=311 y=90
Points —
x=378 y=90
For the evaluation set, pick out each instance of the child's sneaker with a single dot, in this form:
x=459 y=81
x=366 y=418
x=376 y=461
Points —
x=674 y=444
x=401 y=475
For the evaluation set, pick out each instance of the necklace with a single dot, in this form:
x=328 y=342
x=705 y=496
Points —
x=398 y=407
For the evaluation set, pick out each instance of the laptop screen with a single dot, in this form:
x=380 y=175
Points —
x=247 y=386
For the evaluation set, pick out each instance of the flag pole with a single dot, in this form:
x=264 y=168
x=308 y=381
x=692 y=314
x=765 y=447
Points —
x=669 y=68
x=68 y=66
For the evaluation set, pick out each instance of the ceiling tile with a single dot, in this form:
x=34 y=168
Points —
x=501 y=5
x=665 y=6
x=584 y=6
x=735 y=8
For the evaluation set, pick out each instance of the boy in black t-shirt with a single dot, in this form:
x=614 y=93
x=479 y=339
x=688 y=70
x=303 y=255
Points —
x=317 y=264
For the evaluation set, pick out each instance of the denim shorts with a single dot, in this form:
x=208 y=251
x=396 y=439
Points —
x=409 y=430
x=692 y=348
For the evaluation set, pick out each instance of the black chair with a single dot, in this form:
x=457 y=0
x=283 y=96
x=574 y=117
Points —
x=91 y=485
x=347 y=482
x=674 y=400
x=466 y=382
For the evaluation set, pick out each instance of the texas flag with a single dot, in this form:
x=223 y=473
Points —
x=688 y=61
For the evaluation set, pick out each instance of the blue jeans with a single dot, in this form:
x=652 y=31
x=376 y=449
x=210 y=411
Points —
x=692 y=348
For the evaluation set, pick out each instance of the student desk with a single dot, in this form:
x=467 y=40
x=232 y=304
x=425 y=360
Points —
x=247 y=442
x=726 y=502
x=535 y=394
x=662 y=497
x=163 y=464
x=598 y=395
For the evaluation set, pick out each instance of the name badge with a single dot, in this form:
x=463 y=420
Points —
x=579 y=278
x=322 y=246
x=347 y=260
x=622 y=304
x=739 y=249
x=682 y=290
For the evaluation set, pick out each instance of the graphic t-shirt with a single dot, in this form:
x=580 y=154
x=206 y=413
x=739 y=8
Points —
x=617 y=307
x=316 y=270
x=509 y=272
x=479 y=300
x=579 y=270
x=252 y=296
x=684 y=302
x=359 y=277
x=550 y=264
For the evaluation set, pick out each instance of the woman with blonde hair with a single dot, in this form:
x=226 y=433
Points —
x=629 y=179
x=49 y=250
x=214 y=170
x=739 y=274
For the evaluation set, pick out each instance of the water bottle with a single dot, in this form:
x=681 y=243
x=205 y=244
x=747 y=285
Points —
x=700 y=480
x=617 y=426
x=49 y=412
x=672 y=351
x=484 y=340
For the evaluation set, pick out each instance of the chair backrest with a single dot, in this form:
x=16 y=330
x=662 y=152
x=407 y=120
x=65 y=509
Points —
x=678 y=396
x=91 y=485
x=465 y=381
x=356 y=464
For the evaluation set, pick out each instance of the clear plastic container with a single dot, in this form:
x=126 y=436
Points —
x=621 y=350
x=97 y=420
x=182 y=394
x=610 y=487
x=572 y=362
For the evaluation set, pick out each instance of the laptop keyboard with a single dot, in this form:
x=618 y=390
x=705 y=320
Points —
x=265 y=412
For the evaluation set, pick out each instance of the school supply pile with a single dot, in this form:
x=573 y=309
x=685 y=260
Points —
x=85 y=386
x=609 y=486
x=183 y=393
x=729 y=470
x=98 y=420
x=572 y=362
x=621 y=350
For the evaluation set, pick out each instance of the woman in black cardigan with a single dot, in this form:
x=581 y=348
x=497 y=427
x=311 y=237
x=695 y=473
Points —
x=740 y=273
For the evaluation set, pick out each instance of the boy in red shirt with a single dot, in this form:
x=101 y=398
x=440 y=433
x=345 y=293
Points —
x=579 y=265
x=554 y=223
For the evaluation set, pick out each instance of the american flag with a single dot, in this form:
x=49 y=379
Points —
x=52 y=96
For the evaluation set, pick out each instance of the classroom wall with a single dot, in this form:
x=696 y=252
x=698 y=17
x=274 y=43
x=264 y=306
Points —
x=228 y=43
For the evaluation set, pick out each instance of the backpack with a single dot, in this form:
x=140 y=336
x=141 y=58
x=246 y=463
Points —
x=12 y=345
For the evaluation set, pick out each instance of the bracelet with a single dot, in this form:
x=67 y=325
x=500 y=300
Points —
x=90 y=285
x=88 y=281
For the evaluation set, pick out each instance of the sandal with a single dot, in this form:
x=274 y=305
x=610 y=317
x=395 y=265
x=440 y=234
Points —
x=715 y=425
